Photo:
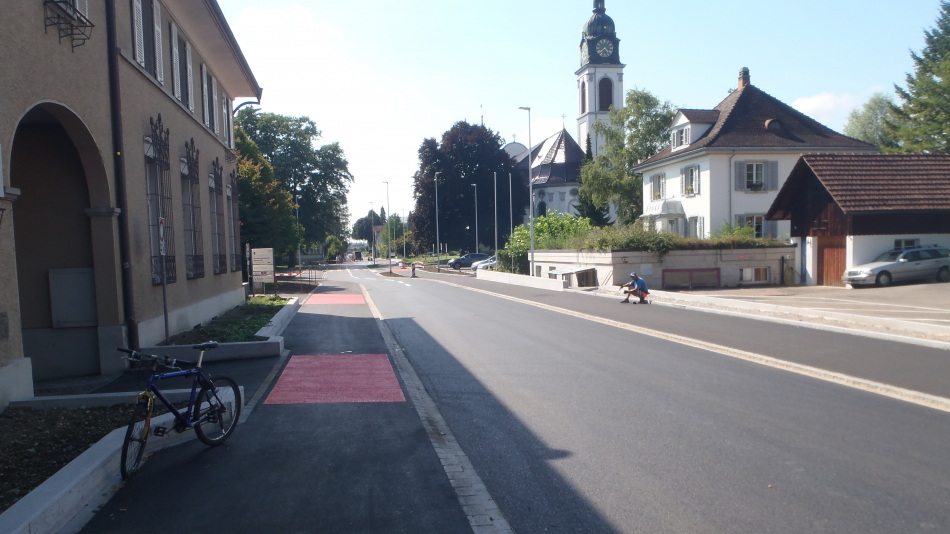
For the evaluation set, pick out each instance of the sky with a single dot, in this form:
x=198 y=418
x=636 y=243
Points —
x=380 y=76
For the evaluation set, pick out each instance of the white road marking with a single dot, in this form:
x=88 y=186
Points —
x=887 y=390
x=483 y=513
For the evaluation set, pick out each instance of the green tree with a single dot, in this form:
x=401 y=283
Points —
x=634 y=133
x=553 y=231
x=335 y=246
x=319 y=178
x=363 y=227
x=923 y=115
x=266 y=209
x=467 y=154
x=869 y=122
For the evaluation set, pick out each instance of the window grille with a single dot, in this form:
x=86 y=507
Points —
x=191 y=212
x=71 y=20
x=218 y=245
x=235 y=225
x=159 y=200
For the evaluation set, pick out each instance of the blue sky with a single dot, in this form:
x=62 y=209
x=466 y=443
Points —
x=380 y=76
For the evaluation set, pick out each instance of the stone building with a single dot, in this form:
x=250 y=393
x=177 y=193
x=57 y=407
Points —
x=115 y=136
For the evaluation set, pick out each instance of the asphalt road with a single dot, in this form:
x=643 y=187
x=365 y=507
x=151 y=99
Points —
x=577 y=426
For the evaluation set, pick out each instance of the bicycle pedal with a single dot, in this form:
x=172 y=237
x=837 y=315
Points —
x=160 y=431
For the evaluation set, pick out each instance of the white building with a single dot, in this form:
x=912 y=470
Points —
x=727 y=164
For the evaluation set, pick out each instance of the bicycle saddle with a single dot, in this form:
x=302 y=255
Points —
x=206 y=346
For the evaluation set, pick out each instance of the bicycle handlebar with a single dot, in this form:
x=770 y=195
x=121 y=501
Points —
x=164 y=361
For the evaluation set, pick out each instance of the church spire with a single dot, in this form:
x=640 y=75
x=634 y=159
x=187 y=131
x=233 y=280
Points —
x=599 y=7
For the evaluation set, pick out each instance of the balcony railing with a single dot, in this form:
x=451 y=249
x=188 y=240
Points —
x=69 y=21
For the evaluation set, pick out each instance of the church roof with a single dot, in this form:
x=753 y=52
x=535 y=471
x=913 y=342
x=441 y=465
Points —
x=752 y=118
x=555 y=160
x=600 y=24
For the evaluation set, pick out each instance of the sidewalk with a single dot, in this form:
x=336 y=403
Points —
x=333 y=446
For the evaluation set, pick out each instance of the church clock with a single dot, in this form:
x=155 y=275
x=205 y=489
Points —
x=605 y=48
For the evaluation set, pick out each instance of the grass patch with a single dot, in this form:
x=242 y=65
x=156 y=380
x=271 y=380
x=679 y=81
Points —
x=237 y=326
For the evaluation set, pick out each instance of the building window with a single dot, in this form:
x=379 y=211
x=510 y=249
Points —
x=147 y=32
x=191 y=212
x=902 y=244
x=658 y=186
x=542 y=209
x=697 y=227
x=606 y=94
x=680 y=137
x=159 y=202
x=672 y=227
x=583 y=98
x=690 y=183
x=755 y=274
x=219 y=256
x=757 y=222
x=183 y=84
x=754 y=176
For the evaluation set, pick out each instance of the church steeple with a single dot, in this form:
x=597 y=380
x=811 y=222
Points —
x=599 y=42
x=600 y=78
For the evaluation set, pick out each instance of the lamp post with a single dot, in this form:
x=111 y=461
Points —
x=404 y=229
x=511 y=219
x=496 y=216
x=476 y=217
x=297 y=203
x=389 y=247
x=530 y=188
x=372 y=223
x=438 y=246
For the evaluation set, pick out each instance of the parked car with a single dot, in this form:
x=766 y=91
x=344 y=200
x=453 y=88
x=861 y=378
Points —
x=466 y=260
x=489 y=264
x=922 y=263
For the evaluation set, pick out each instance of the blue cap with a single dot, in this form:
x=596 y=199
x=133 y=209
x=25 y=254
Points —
x=632 y=275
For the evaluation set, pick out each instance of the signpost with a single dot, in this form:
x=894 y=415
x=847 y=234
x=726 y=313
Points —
x=161 y=258
x=263 y=266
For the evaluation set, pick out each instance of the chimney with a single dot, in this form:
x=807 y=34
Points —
x=744 y=78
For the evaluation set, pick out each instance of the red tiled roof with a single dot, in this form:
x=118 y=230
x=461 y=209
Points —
x=883 y=182
x=742 y=120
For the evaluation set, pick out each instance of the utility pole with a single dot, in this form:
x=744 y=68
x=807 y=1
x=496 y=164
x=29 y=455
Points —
x=496 y=216
x=530 y=189
x=438 y=245
x=476 y=217
x=511 y=219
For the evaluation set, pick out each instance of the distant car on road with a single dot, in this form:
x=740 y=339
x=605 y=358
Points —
x=922 y=263
x=466 y=260
x=485 y=264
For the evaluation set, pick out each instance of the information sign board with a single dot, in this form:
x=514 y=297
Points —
x=262 y=262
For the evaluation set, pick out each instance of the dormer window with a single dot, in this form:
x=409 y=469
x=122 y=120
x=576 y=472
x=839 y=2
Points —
x=680 y=138
x=773 y=124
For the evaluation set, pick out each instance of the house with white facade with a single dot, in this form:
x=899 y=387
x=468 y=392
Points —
x=726 y=165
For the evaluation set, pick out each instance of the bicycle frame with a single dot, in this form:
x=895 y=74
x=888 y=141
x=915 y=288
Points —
x=154 y=391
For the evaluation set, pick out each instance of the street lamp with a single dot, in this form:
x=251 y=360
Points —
x=476 y=217
x=438 y=246
x=297 y=203
x=405 y=226
x=372 y=223
x=389 y=247
x=496 y=216
x=511 y=219
x=530 y=189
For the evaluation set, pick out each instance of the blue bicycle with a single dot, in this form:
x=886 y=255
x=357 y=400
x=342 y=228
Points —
x=213 y=409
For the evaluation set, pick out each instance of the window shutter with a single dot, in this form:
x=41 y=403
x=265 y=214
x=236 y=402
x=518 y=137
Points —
x=696 y=180
x=176 y=63
x=702 y=228
x=663 y=185
x=686 y=137
x=682 y=181
x=82 y=6
x=214 y=107
x=740 y=176
x=204 y=96
x=224 y=115
x=772 y=178
x=191 y=78
x=159 y=53
x=740 y=220
x=139 y=32
x=673 y=138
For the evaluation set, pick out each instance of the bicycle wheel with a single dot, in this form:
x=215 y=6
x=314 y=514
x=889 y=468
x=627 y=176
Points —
x=221 y=407
x=135 y=438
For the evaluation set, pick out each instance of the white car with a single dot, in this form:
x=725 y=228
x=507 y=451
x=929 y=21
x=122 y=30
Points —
x=489 y=264
x=923 y=263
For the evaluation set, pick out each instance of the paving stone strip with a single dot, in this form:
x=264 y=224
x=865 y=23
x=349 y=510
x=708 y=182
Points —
x=483 y=513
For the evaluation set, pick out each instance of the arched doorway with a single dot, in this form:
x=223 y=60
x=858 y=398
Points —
x=64 y=233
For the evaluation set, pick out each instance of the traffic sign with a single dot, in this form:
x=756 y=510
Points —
x=161 y=236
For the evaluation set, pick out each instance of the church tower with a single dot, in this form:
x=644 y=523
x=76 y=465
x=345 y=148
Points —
x=600 y=78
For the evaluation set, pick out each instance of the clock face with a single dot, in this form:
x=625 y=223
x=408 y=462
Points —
x=605 y=48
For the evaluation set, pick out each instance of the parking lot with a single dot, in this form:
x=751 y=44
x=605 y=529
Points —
x=927 y=303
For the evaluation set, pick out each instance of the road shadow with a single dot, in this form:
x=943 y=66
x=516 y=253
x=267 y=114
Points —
x=512 y=461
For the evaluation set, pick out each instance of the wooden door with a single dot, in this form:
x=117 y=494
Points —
x=832 y=260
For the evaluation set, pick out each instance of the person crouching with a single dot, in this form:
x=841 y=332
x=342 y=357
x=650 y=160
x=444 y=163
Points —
x=636 y=287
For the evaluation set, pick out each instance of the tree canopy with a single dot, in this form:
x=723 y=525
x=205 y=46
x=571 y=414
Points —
x=923 y=112
x=869 y=122
x=363 y=227
x=467 y=154
x=266 y=209
x=634 y=133
x=318 y=177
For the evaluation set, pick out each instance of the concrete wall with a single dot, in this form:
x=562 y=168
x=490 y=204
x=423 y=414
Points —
x=864 y=248
x=613 y=268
